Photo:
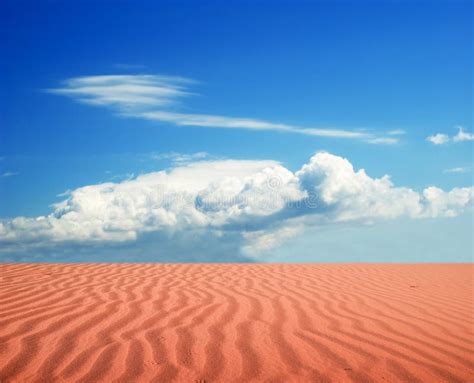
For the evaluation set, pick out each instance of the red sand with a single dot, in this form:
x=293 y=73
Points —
x=236 y=323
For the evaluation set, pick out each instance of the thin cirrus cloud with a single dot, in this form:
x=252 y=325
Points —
x=441 y=138
x=155 y=97
x=9 y=174
x=458 y=170
x=126 y=92
x=390 y=139
x=383 y=141
x=248 y=206
x=180 y=158
x=396 y=132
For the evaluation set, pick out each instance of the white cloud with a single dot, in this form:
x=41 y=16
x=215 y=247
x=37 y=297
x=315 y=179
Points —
x=384 y=141
x=262 y=241
x=151 y=97
x=212 y=121
x=439 y=202
x=254 y=204
x=438 y=139
x=396 y=132
x=126 y=92
x=463 y=136
x=458 y=170
x=441 y=139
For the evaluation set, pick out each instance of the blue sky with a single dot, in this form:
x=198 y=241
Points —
x=384 y=76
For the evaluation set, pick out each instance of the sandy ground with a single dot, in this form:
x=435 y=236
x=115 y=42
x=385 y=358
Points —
x=236 y=323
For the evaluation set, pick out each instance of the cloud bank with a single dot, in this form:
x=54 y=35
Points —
x=154 y=97
x=249 y=206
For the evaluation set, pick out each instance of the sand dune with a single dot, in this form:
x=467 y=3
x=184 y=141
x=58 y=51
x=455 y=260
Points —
x=236 y=323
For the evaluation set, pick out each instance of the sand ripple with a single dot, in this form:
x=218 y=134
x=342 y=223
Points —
x=236 y=323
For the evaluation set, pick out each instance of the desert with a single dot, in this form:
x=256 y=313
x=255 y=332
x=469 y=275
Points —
x=236 y=323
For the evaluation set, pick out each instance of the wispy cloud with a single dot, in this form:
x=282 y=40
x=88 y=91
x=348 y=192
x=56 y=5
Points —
x=213 y=121
x=125 y=92
x=396 y=132
x=129 y=66
x=180 y=158
x=9 y=174
x=383 y=141
x=441 y=139
x=121 y=177
x=154 y=97
x=458 y=170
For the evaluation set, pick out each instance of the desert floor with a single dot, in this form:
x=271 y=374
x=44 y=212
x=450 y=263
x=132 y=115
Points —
x=236 y=323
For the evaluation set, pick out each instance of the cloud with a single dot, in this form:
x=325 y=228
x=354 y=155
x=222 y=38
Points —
x=180 y=158
x=396 y=132
x=212 y=121
x=441 y=139
x=121 y=177
x=262 y=241
x=126 y=92
x=9 y=174
x=463 y=136
x=383 y=141
x=128 y=66
x=151 y=97
x=458 y=170
x=438 y=139
x=248 y=206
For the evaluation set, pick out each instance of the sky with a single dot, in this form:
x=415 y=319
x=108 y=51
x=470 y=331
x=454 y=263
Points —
x=236 y=131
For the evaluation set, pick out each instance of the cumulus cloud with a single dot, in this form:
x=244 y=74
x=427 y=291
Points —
x=151 y=97
x=438 y=139
x=253 y=204
x=463 y=136
x=441 y=139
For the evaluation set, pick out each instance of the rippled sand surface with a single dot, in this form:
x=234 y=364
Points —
x=236 y=323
